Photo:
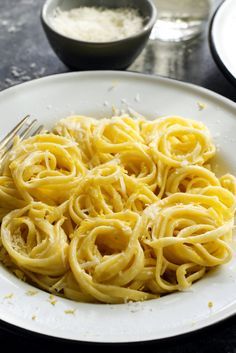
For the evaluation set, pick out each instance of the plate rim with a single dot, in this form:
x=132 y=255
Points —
x=193 y=86
x=213 y=48
x=21 y=331
x=226 y=314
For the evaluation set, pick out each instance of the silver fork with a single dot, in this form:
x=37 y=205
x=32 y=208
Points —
x=23 y=129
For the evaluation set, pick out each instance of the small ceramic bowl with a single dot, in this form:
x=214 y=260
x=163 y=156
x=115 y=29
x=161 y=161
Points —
x=81 y=55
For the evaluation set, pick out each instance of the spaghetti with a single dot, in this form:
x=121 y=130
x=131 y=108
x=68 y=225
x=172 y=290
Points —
x=116 y=209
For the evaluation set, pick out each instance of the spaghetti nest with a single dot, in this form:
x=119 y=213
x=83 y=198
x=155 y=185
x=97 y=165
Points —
x=116 y=209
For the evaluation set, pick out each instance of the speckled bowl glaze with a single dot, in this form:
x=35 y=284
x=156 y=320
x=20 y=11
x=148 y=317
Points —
x=81 y=55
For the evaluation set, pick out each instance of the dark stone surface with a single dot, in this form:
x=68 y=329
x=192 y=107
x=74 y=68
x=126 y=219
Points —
x=25 y=55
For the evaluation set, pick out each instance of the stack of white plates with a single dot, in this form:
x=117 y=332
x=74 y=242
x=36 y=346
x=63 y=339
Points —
x=223 y=38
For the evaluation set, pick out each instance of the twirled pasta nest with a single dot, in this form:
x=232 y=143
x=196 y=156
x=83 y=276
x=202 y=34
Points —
x=43 y=168
x=117 y=209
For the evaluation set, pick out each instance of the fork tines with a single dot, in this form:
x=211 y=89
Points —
x=23 y=129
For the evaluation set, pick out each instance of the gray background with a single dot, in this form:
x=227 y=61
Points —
x=26 y=55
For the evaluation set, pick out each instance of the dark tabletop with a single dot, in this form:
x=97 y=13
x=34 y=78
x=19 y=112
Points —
x=26 y=55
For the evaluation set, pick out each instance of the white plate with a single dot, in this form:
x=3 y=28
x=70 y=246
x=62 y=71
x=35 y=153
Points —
x=95 y=93
x=222 y=38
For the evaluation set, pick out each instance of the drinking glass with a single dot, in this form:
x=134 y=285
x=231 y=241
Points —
x=180 y=19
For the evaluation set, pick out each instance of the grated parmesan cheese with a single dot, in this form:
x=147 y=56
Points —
x=210 y=304
x=31 y=292
x=70 y=311
x=184 y=163
x=201 y=105
x=97 y=24
x=52 y=299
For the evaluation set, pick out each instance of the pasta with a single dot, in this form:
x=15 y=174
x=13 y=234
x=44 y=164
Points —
x=115 y=210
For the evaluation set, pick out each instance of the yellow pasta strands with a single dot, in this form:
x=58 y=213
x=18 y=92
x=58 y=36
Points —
x=187 y=234
x=107 y=190
x=177 y=142
x=34 y=238
x=10 y=198
x=113 y=210
x=41 y=166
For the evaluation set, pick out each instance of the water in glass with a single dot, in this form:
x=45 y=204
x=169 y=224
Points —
x=180 y=19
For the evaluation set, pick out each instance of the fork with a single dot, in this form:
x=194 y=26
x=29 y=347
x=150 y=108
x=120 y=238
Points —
x=23 y=129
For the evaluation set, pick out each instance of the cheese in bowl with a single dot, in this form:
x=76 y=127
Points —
x=97 y=24
x=98 y=34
